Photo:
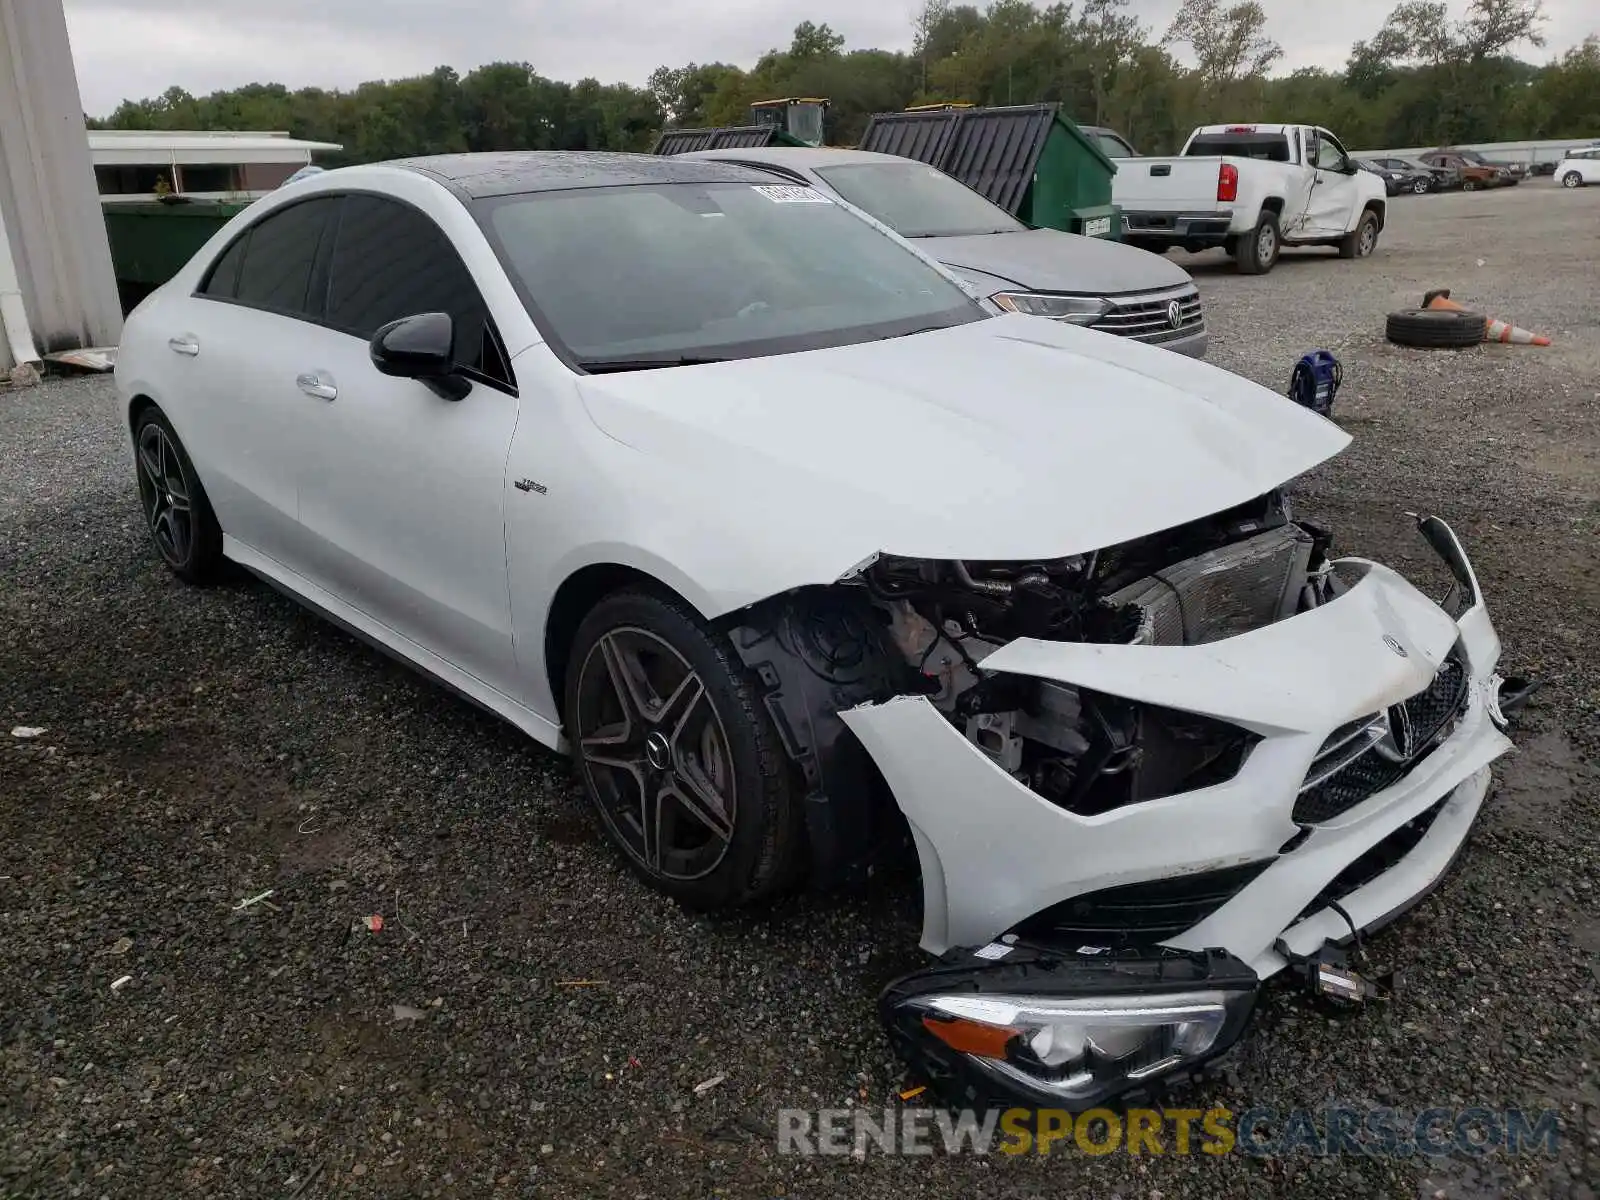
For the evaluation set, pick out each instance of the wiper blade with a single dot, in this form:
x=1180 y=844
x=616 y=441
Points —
x=602 y=366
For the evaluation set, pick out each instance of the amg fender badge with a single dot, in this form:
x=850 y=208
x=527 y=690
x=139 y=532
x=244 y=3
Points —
x=529 y=485
x=1389 y=640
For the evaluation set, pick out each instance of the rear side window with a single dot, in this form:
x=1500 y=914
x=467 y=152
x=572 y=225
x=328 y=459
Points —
x=391 y=261
x=1270 y=147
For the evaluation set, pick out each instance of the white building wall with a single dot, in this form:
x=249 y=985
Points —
x=57 y=289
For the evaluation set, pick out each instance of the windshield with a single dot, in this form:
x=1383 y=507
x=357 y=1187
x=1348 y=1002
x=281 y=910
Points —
x=915 y=200
x=1472 y=156
x=1112 y=146
x=631 y=277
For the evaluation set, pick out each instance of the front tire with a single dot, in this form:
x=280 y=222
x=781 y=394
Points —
x=1257 y=252
x=1361 y=241
x=678 y=755
x=1572 y=180
x=176 y=511
x=1421 y=187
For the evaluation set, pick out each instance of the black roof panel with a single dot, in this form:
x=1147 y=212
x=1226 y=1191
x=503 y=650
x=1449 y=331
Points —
x=475 y=176
x=994 y=151
x=732 y=137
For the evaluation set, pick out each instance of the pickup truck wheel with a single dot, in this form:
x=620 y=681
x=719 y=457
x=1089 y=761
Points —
x=1257 y=252
x=1435 y=329
x=1362 y=240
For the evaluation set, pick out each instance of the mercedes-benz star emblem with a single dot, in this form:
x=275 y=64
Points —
x=1399 y=744
x=1394 y=644
x=1175 y=315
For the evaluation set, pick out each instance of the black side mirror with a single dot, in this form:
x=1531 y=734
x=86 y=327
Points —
x=421 y=348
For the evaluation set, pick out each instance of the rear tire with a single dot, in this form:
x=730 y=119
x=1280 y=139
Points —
x=1257 y=252
x=176 y=510
x=678 y=755
x=1436 y=329
x=1469 y=185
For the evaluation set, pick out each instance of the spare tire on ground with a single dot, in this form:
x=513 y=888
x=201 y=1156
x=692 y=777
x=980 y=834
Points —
x=1436 y=328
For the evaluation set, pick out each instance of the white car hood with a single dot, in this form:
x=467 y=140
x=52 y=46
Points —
x=1008 y=438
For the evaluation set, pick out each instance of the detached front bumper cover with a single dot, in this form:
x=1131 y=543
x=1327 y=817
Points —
x=1032 y=1019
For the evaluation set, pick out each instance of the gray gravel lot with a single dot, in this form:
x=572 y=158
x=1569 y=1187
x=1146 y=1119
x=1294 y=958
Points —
x=205 y=746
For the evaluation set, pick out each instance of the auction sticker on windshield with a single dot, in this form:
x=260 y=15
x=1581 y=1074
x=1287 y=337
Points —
x=789 y=193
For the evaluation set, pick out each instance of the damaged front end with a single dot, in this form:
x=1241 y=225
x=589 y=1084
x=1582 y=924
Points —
x=1139 y=781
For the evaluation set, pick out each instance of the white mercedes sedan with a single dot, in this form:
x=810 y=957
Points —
x=723 y=489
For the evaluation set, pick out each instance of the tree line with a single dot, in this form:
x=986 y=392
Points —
x=1432 y=73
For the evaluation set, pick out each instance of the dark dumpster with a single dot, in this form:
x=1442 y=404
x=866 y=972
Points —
x=151 y=241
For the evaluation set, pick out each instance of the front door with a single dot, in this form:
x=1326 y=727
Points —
x=1334 y=189
x=403 y=505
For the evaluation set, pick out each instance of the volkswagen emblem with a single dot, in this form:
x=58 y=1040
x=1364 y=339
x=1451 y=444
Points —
x=1175 y=315
x=1394 y=644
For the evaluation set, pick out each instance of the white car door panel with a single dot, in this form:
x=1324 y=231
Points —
x=236 y=408
x=402 y=492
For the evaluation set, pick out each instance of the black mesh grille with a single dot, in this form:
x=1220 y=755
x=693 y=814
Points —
x=1429 y=712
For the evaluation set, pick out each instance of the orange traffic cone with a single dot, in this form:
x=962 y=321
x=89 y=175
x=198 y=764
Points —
x=1498 y=331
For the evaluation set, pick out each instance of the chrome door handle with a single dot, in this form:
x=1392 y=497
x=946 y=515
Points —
x=184 y=343
x=315 y=383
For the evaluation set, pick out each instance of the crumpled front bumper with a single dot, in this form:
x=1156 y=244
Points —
x=993 y=853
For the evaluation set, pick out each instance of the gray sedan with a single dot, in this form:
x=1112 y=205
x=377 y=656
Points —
x=1043 y=272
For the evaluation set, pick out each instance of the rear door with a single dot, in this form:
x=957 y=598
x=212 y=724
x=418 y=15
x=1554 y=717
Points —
x=240 y=413
x=403 y=499
x=1330 y=209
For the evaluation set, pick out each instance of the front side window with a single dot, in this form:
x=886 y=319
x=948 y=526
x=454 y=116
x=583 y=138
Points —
x=916 y=200
x=391 y=261
x=270 y=265
x=626 y=277
x=1330 y=155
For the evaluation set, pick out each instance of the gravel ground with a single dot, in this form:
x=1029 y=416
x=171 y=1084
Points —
x=201 y=747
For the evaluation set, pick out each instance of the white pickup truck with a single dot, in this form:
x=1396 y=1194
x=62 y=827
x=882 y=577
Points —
x=1252 y=189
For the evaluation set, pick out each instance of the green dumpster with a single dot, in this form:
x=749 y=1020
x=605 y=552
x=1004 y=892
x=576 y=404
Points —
x=150 y=242
x=1028 y=158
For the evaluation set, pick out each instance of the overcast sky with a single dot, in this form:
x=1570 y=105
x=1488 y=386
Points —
x=139 y=48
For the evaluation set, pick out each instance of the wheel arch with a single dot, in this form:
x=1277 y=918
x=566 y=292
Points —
x=1380 y=208
x=570 y=603
x=1273 y=205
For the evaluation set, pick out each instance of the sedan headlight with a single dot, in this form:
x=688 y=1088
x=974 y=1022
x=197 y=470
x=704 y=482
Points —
x=1077 y=310
x=1054 y=1032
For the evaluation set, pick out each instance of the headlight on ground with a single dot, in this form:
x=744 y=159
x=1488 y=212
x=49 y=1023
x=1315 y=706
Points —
x=1066 y=1031
x=1077 y=310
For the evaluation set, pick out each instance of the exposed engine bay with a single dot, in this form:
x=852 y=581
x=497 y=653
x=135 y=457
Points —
x=911 y=626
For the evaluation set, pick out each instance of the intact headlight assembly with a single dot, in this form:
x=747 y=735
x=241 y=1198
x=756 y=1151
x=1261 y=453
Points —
x=1075 y=310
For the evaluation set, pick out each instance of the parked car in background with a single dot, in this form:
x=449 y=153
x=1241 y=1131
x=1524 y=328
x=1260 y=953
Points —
x=1476 y=171
x=1579 y=168
x=1397 y=180
x=1112 y=144
x=1041 y=272
x=1444 y=178
x=1252 y=189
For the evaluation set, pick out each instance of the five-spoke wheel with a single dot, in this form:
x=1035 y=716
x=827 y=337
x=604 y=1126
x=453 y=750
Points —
x=176 y=510
x=678 y=754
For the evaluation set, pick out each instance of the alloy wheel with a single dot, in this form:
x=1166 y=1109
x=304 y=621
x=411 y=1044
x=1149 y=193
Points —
x=655 y=754
x=1420 y=187
x=1571 y=179
x=164 y=491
